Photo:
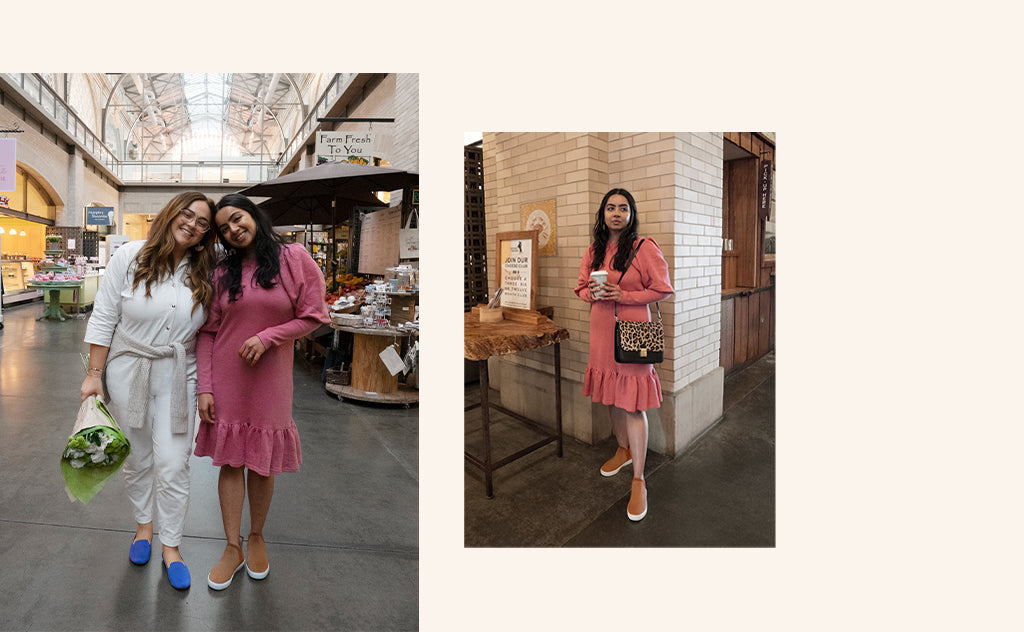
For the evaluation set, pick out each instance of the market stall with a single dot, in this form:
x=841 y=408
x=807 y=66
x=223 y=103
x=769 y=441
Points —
x=376 y=338
x=370 y=274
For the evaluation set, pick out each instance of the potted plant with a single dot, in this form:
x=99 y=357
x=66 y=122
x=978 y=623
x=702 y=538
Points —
x=53 y=244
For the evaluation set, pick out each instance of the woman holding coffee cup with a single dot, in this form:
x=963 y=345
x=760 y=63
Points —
x=608 y=277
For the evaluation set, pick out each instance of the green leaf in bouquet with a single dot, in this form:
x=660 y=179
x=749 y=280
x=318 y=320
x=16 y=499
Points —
x=92 y=455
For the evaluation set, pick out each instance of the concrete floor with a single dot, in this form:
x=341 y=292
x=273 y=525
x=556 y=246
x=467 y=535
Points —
x=720 y=492
x=342 y=533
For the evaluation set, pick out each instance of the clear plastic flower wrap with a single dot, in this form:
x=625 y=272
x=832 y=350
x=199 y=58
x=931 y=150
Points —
x=95 y=451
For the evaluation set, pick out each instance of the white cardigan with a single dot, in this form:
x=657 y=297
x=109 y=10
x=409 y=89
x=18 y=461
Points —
x=161 y=326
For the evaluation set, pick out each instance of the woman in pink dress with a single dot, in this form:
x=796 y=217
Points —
x=267 y=295
x=627 y=389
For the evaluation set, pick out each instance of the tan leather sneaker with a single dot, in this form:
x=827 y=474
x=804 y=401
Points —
x=256 y=562
x=230 y=563
x=637 y=507
x=621 y=459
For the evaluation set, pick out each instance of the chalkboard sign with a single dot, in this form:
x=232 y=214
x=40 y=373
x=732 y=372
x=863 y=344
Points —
x=378 y=240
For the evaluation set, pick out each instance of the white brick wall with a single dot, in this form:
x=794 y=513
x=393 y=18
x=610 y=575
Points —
x=677 y=182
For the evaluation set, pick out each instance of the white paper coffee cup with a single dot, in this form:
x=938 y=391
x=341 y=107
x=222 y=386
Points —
x=600 y=276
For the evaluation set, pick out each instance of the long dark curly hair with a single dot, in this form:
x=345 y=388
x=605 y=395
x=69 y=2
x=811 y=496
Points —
x=267 y=244
x=626 y=238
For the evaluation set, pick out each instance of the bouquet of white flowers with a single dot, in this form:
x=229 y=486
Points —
x=95 y=451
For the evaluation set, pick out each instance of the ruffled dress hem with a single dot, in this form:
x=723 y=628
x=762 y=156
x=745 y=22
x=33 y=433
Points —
x=266 y=451
x=628 y=392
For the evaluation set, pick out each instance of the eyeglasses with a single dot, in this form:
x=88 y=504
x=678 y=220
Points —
x=190 y=217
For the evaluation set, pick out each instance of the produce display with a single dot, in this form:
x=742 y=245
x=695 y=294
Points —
x=55 y=277
x=351 y=281
x=349 y=296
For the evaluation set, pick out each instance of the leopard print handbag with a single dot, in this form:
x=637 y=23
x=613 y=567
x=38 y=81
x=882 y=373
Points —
x=638 y=342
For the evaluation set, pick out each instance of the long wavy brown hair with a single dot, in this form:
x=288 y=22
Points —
x=156 y=259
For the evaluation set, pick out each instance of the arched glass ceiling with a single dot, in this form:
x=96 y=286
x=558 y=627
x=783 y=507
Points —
x=204 y=116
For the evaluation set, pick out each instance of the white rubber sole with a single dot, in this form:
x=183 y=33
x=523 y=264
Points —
x=255 y=575
x=214 y=585
x=629 y=462
x=636 y=518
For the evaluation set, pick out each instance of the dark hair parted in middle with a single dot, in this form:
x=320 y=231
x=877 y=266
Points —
x=266 y=246
x=626 y=238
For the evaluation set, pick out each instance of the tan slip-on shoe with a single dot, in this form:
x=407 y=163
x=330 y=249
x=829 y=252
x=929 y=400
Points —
x=256 y=562
x=637 y=507
x=621 y=459
x=230 y=563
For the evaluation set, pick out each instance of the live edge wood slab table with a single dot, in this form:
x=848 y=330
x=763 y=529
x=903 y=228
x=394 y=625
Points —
x=529 y=330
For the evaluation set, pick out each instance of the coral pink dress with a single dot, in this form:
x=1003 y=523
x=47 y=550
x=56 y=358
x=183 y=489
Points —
x=253 y=404
x=631 y=387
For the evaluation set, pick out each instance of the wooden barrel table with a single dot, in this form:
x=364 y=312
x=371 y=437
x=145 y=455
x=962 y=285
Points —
x=371 y=381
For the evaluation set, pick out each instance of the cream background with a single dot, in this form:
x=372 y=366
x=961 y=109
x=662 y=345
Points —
x=898 y=429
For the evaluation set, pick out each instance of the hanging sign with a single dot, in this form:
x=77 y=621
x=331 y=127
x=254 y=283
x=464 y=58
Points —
x=8 y=164
x=357 y=147
x=99 y=215
x=764 y=177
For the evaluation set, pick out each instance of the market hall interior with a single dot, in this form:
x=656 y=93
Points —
x=342 y=532
x=88 y=160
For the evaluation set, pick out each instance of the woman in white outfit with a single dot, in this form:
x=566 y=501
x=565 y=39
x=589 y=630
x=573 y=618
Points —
x=141 y=337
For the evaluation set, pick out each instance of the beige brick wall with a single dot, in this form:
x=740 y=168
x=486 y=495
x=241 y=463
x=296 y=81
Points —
x=65 y=176
x=392 y=96
x=40 y=154
x=676 y=179
x=152 y=199
x=98 y=190
x=407 y=122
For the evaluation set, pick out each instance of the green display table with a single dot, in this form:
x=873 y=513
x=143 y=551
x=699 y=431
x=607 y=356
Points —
x=52 y=289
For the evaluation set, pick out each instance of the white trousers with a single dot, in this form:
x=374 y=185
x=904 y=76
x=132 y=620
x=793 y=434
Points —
x=157 y=470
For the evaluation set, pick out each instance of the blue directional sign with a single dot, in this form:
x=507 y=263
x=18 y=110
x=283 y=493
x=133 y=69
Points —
x=99 y=215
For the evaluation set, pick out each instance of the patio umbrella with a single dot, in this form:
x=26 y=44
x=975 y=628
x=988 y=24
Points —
x=342 y=179
x=334 y=180
x=314 y=209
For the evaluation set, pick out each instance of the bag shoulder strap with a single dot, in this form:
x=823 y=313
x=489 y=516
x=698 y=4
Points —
x=629 y=263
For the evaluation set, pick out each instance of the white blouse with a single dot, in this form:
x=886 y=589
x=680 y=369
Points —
x=164 y=317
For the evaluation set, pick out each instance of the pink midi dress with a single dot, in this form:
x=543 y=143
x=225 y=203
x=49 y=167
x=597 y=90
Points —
x=631 y=387
x=253 y=404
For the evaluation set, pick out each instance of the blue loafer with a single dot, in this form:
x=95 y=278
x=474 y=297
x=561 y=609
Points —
x=139 y=553
x=177 y=574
